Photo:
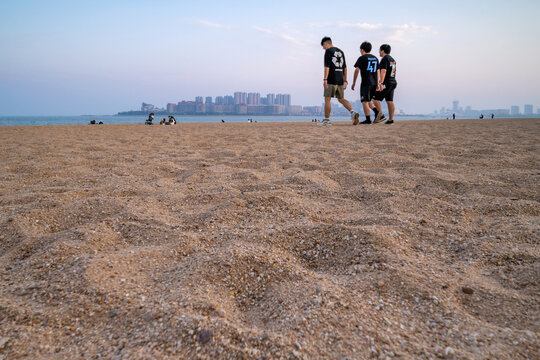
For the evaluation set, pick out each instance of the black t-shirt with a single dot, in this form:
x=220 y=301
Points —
x=368 y=65
x=334 y=59
x=388 y=63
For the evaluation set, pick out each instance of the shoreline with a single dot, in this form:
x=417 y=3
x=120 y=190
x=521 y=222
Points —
x=335 y=122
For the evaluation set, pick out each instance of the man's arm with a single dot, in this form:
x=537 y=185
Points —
x=382 y=76
x=345 y=82
x=356 y=71
x=383 y=68
x=325 y=78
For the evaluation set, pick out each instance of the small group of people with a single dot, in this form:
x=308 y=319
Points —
x=93 y=122
x=170 y=121
x=378 y=82
x=482 y=116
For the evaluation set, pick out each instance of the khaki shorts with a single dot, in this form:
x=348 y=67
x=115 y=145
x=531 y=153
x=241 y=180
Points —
x=335 y=91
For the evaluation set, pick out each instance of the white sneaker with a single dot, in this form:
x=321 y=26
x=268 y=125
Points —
x=325 y=122
x=355 y=117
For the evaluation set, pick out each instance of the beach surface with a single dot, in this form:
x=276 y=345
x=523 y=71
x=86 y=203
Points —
x=418 y=240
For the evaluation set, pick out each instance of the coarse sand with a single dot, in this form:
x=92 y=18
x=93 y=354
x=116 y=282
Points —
x=418 y=240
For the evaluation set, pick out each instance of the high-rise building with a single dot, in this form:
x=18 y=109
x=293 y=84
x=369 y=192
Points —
x=186 y=107
x=528 y=109
x=229 y=100
x=147 y=107
x=455 y=106
x=220 y=100
x=270 y=99
x=208 y=100
x=240 y=98
x=254 y=99
x=199 y=99
x=283 y=99
x=171 y=107
x=514 y=110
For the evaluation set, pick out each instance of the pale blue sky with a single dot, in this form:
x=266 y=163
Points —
x=100 y=57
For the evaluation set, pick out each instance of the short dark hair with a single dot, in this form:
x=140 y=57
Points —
x=386 y=48
x=325 y=39
x=366 y=46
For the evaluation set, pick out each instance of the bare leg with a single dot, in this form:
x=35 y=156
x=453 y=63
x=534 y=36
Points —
x=377 y=105
x=327 y=107
x=346 y=104
x=391 y=109
x=365 y=105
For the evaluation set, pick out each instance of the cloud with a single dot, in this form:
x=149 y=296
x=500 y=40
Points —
x=209 y=24
x=396 y=33
x=291 y=39
x=361 y=26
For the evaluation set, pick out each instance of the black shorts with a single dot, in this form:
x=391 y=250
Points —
x=367 y=92
x=387 y=93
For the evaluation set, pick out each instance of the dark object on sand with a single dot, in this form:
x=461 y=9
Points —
x=205 y=336
x=467 y=290
x=150 y=119
x=92 y=122
x=222 y=120
x=100 y=122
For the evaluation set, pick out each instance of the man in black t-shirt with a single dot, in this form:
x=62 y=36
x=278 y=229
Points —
x=335 y=80
x=367 y=65
x=387 y=81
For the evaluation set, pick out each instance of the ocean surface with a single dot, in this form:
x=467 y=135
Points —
x=139 y=119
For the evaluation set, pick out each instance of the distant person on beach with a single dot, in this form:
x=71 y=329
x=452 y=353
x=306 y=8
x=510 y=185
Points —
x=453 y=116
x=100 y=122
x=150 y=119
x=481 y=116
x=387 y=84
x=92 y=122
x=163 y=122
x=492 y=116
x=335 y=80
x=367 y=65
x=172 y=120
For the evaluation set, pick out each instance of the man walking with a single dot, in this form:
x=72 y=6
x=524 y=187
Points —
x=387 y=83
x=367 y=65
x=335 y=80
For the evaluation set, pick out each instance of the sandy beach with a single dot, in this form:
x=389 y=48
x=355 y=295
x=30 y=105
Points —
x=418 y=240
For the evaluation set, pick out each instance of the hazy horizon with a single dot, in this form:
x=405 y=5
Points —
x=65 y=58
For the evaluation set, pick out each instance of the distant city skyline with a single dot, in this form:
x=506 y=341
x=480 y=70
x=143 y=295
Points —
x=240 y=103
x=528 y=109
x=69 y=58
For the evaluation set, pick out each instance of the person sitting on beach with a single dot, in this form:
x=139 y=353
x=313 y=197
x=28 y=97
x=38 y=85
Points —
x=100 y=122
x=172 y=120
x=92 y=122
x=150 y=119
x=163 y=122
